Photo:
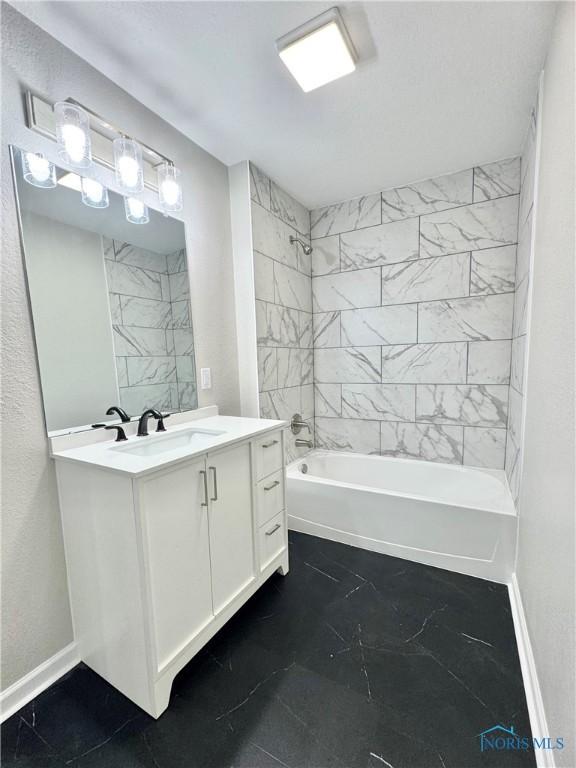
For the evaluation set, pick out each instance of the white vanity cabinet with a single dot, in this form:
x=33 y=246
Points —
x=158 y=562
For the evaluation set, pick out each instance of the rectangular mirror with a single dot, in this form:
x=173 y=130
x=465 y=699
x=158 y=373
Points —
x=110 y=304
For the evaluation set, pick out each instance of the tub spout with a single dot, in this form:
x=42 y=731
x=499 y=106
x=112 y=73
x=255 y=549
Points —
x=304 y=443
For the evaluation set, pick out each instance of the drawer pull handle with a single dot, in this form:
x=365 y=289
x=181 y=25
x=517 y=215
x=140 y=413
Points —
x=215 y=479
x=273 y=530
x=205 y=477
x=269 y=445
x=272 y=485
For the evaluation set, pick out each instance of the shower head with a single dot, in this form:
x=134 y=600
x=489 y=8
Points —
x=305 y=247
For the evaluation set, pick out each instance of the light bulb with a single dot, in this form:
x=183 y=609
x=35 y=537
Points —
x=37 y=170
x=74 y=140
x=94 y=194
x=170 y=191
x=128 y=170
x=73 y=134
x=136 y=211
x=169 y=188
x=128 y=165
x=39 y=166
x=136 y=207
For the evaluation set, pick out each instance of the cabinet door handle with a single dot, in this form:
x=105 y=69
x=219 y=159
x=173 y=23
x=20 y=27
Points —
x=272 y=485
x=273 y=530
x=215 y=481
x=205 y=478
x=269 y=445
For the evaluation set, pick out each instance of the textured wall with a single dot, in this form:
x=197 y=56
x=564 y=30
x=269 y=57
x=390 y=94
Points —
x=35 y=612
x=283 y=286
x=413 y=292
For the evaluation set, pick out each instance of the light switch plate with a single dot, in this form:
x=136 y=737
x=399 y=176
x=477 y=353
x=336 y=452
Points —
x=205 y=378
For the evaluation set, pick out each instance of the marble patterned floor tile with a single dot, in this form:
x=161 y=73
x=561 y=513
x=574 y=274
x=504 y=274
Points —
x=151 y=370
x=133 y=281
x=326 y=255
x=183 y=341
x=356 y=435
x=181 y=314
x=383 y=244
x=346 y=290
x=185 y=369
x=277 y=326
x=383 y=402
x=422 y=441
x=271 y=237
x=443 y=277
x=139 y=257
x=267 y=368
x=474 y=405
x=478 y=318
x=327 y=329
x=484 y=447
x=292 y=288
x=327 y=400
x=360 y=212
x=489 y=362
x=350 y=364
x=493 y=270
x=436 y=194
x=135 y=400
x=425 y=363
x=517 y=365
x=379 y=325
x=259 y=186
x=129 y=342
x=481 y=225
x=295 y=367
x=145 y=313
x=177 y=261
x=289 y=210
x=179 y=286
x=497 y=179
x=263 y=277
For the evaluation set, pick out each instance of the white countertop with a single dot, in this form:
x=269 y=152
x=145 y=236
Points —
x=113 y=456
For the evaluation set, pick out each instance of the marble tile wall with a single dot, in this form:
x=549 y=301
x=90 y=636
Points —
x=413 y=300
x=152 y=327
x=283 y=287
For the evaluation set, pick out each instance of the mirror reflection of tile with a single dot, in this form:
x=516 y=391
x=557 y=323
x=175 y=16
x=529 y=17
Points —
x=152 y=327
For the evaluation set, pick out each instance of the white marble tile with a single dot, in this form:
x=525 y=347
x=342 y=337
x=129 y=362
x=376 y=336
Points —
x=384 y=402
x=379 y=325
x=328 y=400
x=292 y=288
x=523 y=279
x=170 y=348
x=443 y=277
x=477 y=318
x=425 y=363
x=145 y=313
x=135 y=400
x=181 y=314
x=493 y=270
x=281 y=403
x=289 y=210
x=326 y=255
x=421 y=441
x=176 y=262
x=482 y=225
x=383 y=244
x=277 y=326
x=183 y=341
x=427 y=196
x=151 y=370
x=528 y=170
x=342 y=217
x=295 y=367
x=484 y=447
x=304 y=259
x=185 y=368
x=515 y=407
x=512 y=467
x=165 y=287
x=187 y=395
x=351 y=364
x=115 y=310
x=307 y=402
x=305 y=340
x=130 y=342
x=346 y=290
x=489 y=362
x=517 y=366
x=179 y=286
x=122 y=371
x=267 y=368
x=271 y=237
x=355 y=435
x=263 y=277
x=133 y=281
x=139 y=257
x=327 y=329
x=473 y=405
x=259 y=186
x=108 y=248
x=497 y=179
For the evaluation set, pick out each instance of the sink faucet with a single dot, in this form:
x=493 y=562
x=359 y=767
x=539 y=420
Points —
x=120 y=411
x=143 y=422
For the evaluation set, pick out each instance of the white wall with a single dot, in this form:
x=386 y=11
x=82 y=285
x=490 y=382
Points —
x=35 y=612
x=545 y=568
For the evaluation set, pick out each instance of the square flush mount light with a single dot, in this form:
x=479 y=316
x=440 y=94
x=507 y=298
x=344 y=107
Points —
x=319 y=51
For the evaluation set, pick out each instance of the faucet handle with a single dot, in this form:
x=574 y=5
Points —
x=161 y=427
x=120 y=434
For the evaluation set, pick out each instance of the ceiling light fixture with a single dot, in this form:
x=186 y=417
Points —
x=128 y=165
x=94 y=194
x=318 y=51
x=136 y=211
x=73 y=134
x=37 y=170
x=169 y=188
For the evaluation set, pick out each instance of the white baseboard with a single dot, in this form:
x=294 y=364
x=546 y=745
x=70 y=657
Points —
x=538 y=723
x=29 y=686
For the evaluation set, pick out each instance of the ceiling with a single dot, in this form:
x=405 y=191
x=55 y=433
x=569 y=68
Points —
x=440 y=86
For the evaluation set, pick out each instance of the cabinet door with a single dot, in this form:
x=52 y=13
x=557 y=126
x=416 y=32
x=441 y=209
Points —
x=231 y=526
x=177 y=556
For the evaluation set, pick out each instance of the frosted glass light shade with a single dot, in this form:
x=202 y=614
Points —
x=169 y=188
x=73 y=134
x=94 y=194
x=136 y=211
x=37 y=170
x=128 y=165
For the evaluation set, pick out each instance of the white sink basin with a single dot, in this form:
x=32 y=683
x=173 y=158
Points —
x=175 y=441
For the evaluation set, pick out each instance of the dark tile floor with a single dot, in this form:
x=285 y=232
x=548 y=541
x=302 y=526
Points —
x=352 y=660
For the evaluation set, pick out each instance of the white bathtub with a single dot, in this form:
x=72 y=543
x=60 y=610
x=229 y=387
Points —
x=459 y=518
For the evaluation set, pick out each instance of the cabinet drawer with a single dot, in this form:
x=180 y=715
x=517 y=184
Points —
x=270 y=496
x=268 y=450
x=272 y=539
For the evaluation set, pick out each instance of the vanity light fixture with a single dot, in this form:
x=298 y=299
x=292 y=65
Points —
x=94 y=194
x=318 y=51
x=136 y=211
x=73 y=134
x=37 y=170
x=128 y=165
x=169 y=188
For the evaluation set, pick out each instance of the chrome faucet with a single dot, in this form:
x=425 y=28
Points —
x=304 y=443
